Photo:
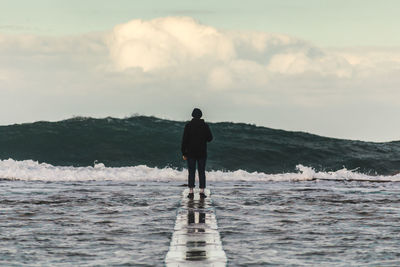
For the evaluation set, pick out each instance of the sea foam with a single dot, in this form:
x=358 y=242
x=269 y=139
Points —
x=30 y=170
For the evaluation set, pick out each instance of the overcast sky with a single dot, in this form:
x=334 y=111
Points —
x=326 y=67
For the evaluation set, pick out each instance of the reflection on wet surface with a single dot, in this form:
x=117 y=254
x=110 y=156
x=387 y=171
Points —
x=108 y=223
x=196 y=222
x=196 y=241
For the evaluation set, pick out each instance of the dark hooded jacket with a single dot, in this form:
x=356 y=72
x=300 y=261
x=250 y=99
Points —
x=195 y=138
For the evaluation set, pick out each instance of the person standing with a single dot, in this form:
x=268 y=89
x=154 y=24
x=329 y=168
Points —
x=194 y=149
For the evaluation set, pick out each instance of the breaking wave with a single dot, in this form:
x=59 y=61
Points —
x=29 y=170
x=155 y=143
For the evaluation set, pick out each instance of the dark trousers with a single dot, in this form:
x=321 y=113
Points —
x=201 y=168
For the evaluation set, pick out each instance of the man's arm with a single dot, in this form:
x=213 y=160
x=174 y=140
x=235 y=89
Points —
x=209 y=134
x=185 y=139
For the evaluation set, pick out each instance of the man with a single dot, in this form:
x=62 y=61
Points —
x=194 y=150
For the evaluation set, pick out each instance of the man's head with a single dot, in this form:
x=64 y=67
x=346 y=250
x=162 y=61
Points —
x=197 y=113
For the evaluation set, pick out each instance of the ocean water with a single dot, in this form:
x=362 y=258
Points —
x=154 y=142
x=106 y=192
x=102 y=216
x=85 y=223
x=310 y=223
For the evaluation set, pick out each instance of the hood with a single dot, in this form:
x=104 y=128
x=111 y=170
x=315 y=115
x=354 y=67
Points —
x=196 y=113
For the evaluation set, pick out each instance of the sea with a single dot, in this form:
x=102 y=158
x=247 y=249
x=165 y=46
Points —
x=106 y=192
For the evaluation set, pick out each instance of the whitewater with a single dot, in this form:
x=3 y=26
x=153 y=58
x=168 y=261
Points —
x=30 y=170
x=99 y=215
x=155 y=143
x=108 y=192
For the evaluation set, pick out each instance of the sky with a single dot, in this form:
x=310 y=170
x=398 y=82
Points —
x=326 y=67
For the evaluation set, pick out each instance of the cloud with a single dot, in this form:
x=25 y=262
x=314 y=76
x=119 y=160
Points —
x=179 y=41
x=227 y=60
x=166 y=66
x=166 y=42
x=297 y=63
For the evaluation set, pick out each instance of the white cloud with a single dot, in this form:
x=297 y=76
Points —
x=166 y=42
x=220 y=78
x=180 y=41
x=4 y=75
x=297 y=63
x=166 y=66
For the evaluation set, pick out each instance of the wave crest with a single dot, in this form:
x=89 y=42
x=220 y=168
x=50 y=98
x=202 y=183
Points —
x=30 y=170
